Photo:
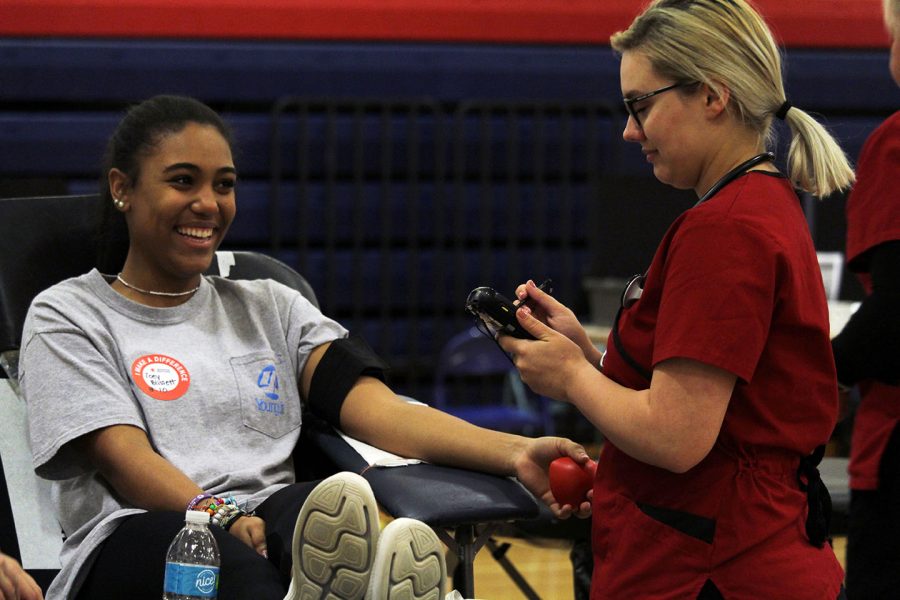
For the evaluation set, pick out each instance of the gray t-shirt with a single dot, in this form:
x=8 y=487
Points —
x=213 y=382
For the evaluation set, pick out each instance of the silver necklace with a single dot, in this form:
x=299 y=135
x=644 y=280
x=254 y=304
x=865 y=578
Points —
x=152 y=293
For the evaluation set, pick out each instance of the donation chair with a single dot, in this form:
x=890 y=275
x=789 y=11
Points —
x=45 y=240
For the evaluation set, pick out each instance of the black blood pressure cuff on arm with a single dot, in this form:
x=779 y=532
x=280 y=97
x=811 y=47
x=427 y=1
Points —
x=345 y=361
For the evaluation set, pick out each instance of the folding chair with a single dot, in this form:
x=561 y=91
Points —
x=470 y=362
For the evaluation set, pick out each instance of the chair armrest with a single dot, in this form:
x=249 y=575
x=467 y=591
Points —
x=437 y=495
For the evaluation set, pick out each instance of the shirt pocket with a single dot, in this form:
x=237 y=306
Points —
x=270 y=401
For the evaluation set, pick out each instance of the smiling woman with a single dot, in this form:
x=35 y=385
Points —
x=161 y=389
x=178 y=201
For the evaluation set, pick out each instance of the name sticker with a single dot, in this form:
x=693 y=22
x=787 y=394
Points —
x=160 y=376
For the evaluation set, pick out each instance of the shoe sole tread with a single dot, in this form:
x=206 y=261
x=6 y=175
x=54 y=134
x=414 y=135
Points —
x=334 y=541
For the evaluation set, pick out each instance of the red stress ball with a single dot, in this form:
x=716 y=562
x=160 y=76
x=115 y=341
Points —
x=570 y=481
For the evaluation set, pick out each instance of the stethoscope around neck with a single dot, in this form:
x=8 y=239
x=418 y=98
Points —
x=734 y=174
x=635 y=286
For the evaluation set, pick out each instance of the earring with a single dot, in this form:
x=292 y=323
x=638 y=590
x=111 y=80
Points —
x=119 y=203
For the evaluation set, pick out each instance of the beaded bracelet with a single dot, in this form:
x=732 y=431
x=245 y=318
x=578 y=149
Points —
x=216 y=502
x=225 y=512
x=226 y=516
x=197 y=500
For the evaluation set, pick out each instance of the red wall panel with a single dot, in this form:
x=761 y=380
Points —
x=797 y=23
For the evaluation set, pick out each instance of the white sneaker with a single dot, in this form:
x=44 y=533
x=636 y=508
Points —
x=409 y=563
x=455 y=595
x=334 y=541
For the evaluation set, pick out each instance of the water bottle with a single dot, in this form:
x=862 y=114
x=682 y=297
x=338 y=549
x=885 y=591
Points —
x=192 y=562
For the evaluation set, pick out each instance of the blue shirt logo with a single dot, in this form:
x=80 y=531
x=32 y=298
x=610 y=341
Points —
x=267 y=382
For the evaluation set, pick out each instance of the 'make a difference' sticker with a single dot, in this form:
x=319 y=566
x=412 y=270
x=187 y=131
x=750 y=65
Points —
x=160 y=376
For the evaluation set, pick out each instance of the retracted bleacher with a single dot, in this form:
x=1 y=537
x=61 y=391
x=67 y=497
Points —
x=397 y=168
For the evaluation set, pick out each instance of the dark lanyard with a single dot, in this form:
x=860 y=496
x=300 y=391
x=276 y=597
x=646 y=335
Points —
x=635 y=286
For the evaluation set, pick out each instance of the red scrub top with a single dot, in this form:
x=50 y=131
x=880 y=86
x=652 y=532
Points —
x=736 y=284
x=873 y=217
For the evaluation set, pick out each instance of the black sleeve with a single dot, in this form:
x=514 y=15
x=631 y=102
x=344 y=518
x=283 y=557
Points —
x=345 y=361
x=869 y=345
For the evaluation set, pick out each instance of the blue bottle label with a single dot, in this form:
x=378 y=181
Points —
x=191 y=580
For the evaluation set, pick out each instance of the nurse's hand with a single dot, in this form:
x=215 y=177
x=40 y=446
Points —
x=557 y=316
x=549 y=363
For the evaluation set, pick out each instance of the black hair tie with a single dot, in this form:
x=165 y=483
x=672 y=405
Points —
x=781 y=113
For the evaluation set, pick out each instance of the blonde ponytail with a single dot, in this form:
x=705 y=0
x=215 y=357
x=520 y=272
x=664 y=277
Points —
x=816 y=163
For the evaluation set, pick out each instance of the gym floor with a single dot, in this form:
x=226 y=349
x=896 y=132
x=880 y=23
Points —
x=546 y=568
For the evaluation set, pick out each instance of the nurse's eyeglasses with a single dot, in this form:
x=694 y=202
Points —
x=630 y=102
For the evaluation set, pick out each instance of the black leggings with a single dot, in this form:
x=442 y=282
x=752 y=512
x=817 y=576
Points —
x=131 y=562
x=873 y=538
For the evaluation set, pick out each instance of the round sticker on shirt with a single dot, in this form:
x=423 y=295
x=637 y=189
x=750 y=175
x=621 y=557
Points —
x=160 y=376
